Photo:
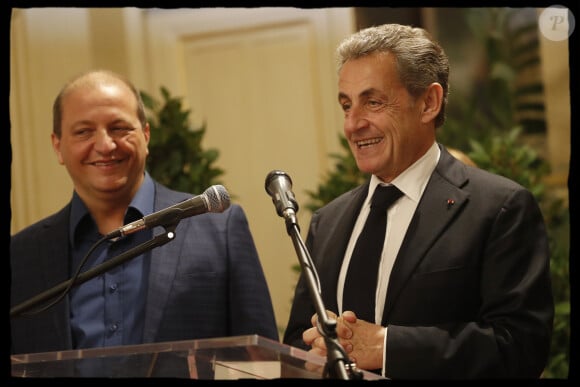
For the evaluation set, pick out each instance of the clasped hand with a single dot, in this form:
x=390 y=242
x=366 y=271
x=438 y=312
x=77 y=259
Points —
x=363 y=341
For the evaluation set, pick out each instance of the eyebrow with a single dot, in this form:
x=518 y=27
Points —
x=364 y=93
x=116 y=121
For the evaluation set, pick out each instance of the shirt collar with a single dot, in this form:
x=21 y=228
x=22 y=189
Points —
x=413 y=180
x=143 y=202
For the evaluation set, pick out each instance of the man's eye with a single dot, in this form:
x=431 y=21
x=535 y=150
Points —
x=120 y=130
x=82 y=132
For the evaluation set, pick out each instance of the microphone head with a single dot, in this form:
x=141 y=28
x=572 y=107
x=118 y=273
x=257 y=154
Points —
x=282 y=177
x=279 y=187
x=218 y=198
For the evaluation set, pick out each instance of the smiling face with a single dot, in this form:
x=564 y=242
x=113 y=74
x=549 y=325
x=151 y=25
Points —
x=387 y=129
x=102 y=143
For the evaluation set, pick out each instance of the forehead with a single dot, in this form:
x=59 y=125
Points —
x=86 y=103
x=371 y=71
x=99 y=84
x=93 y=93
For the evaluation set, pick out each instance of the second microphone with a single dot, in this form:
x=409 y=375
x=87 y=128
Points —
x=213 y=199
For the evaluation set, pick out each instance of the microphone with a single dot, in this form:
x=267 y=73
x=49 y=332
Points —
x=213 y=199
x=279 y=187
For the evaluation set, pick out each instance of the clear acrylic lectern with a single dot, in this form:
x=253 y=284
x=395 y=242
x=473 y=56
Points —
x=238 y=357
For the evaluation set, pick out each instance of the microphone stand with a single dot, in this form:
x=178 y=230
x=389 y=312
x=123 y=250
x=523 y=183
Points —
x=338 y=365
x=157 y=241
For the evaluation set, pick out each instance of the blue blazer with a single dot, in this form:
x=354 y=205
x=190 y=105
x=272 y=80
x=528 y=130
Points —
x=207 y=282
x=469 y=295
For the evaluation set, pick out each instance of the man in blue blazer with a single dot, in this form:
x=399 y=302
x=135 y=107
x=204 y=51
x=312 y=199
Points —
x=206 y=282
x=463 y=284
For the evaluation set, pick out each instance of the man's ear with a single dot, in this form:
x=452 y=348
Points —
x=56 y=147
x=147 y=132
x=432 y=100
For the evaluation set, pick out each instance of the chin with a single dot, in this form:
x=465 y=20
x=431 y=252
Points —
x=366 y=168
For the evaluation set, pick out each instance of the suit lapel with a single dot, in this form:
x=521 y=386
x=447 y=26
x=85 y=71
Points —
x=441 y=201
x=55 y=261
x=163 y=268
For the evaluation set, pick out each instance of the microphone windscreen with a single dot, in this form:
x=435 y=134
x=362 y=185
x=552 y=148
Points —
x=218 y=198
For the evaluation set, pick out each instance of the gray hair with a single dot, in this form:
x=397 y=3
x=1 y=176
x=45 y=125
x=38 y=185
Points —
x=420 y=59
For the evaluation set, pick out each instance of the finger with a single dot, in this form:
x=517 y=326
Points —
x=347 y=345
x=343 y=330
x=349 y=316
x=318 y=351
x=314 y=319
x=331 y=315
x=309 y=335
x=319 y=343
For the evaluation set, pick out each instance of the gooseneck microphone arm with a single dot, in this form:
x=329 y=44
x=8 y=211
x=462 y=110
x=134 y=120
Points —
x=214 y=199
x=338 y=365
x=57 y=290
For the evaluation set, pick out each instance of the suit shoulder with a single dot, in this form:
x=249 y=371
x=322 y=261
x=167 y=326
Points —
x=166 y=193
x=462 y=175
x=488 y=187
x=492 y=180
x=35 y=229
x=341 y=200
x=171 y=196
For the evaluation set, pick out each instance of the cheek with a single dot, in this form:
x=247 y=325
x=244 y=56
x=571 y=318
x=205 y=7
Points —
x=352 y=147
x=144 y=149
x=58 y=154
x=66 y=155
x=59 y=158
x=136 y=143
x=77 y=151
x=137 y=147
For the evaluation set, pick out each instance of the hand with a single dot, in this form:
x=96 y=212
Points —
x=363 y=341
x=312 y=335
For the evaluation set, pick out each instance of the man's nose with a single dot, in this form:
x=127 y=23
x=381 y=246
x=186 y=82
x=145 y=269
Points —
x=104 y=142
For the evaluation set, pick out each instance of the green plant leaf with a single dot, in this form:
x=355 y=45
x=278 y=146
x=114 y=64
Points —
x=176 y=156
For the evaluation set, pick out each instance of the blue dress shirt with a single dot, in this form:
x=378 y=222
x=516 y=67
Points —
x=109 y=310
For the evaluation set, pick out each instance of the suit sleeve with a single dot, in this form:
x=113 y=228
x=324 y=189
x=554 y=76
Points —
x=251 y=305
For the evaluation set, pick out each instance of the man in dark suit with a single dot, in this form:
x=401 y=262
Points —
x=206 y=282
x=463 y=284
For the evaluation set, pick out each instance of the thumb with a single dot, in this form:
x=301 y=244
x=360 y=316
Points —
x=349 y=316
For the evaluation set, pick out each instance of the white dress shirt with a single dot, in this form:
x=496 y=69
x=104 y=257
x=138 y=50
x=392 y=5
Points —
x=412 y=183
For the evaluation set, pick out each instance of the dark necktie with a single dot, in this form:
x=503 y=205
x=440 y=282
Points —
x=361 y=278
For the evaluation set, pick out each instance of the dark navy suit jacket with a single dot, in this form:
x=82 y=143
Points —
x=469 y=295
x=207 y=282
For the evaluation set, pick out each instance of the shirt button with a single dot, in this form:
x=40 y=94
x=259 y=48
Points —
x=113 y=288
x=114 y=327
